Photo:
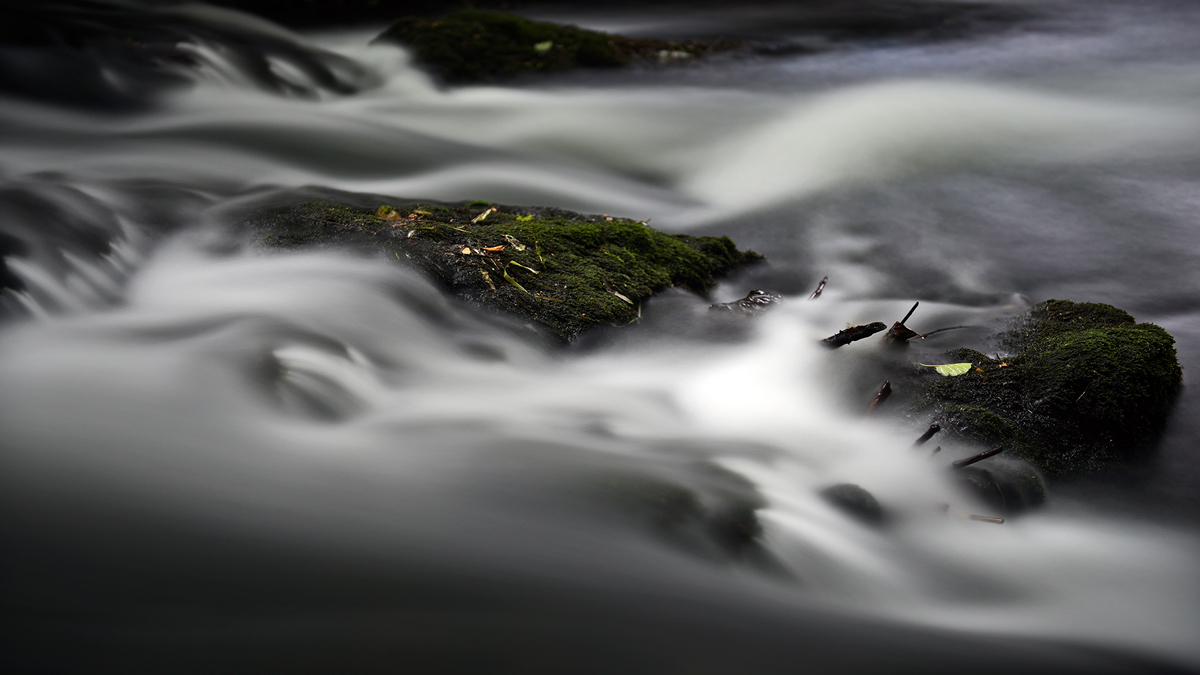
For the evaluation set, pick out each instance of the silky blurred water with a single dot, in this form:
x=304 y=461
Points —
x=219 y=457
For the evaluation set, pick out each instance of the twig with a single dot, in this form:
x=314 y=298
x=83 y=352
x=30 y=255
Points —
x=945 y=508
x=820 y=287
x=852 y=334
x=900 y=332
x=985 y=519
x=882 y=395
x=978 y=458
x=933 y=429
x=940 y=330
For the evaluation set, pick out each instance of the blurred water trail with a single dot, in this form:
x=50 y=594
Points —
x=309 y=452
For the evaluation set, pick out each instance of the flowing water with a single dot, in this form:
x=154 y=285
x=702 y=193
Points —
x=221 y=458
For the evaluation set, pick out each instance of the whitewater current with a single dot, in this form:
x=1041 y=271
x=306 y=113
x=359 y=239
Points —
x=216 y=456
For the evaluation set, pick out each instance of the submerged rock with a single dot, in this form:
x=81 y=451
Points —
x=756 y=302
x=472 y=46
x=1007 y=486
x=855 y=501
x=1086 y=388
x=561 y=270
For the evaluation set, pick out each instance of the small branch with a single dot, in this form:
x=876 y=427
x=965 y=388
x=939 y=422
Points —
x=852 y=334
x=945 y=508
x=820 y=287
x=932 y=332
x=986 y=519
x=882 y=395
x=978 y=458
x=910 y=313
x=933 y=429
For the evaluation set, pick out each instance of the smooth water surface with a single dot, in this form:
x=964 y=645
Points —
x=221 y=457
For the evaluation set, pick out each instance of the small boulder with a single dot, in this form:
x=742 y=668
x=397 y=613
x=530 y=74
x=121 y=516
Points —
x=473 y=46
x=1085 y=388
x=855 y=502
x=562 y=271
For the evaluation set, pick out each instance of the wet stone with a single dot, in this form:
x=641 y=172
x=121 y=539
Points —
x=855 y=501
x=473 y=46
x=1086 y=388
x=562 y=272
x=755 y=302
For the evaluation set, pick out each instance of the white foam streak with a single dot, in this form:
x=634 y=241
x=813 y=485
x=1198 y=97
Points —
x=881 y=131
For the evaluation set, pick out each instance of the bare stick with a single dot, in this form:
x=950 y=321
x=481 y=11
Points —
x=851 y=334
x=820 y=287
x=882 y=395
x=933 y=429
x=945 y=508
x=978 y=458
x=986 y=519
x=910 y=313
x=940 y=330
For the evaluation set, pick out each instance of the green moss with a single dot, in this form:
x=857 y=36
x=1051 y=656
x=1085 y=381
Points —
x=563 y=270
x=979 y=424
x=470 y=46
x=1087 y=388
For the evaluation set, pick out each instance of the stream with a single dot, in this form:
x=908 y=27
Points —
x=215 y=457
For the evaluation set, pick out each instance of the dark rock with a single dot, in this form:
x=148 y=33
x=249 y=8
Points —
x=755 y=302
x=855 y=501
x=1006 y=486
x=471 y=46
x=701 y=508
x=1086 y=388
x=561 y=270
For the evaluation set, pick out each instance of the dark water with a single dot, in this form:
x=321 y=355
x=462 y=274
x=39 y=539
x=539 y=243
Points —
x=221 y=458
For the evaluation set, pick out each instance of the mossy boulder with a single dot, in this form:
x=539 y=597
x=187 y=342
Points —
x=561 y=270
x=472 y=46
x=1086 y=388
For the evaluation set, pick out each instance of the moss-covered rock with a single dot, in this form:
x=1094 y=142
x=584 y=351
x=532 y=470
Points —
x=564 y=271
x=1086 y=387
x=472 y=46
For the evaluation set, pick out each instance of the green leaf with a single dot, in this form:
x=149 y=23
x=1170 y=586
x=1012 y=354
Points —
x=543 y=47
x=514 y=262
x=509 y=279
x=524 y=219
x=949 y=369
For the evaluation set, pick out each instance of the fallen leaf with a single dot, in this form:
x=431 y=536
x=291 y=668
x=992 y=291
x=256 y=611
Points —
x=387 y=213
x=949 y=369
x=514 y=262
